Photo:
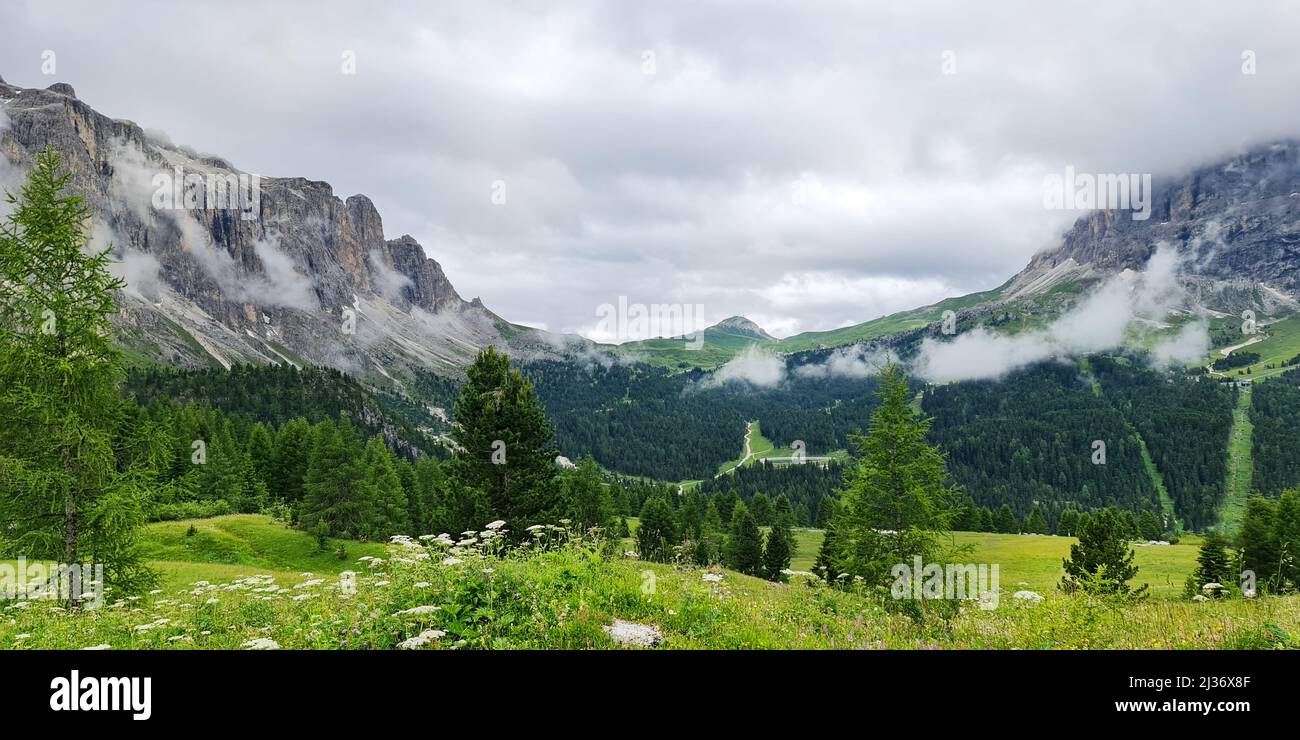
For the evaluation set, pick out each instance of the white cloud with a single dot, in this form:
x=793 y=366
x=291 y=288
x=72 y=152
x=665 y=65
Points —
x=1097 y=324
x=1190 y=344
x=753 y=366
x=770 y=145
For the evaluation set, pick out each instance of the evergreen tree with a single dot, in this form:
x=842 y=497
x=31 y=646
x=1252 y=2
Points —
x=1005 y=521
x=1068 y=523
x=293 y=442
x=1149 y=526
x=744 y=549
x=761 y=507
x=1259 y=546
x=896 y=497
x=776 y=553
x=387 y=505
x=828 y=556
x=260 y=449
x=1286 y=533
x=1212 y=566
x=986 y=520
x=783 y=510
x=587 y=497
x=966 y=517
x=1036 y=523
x=505 y=443
x=826 y=508
x=657 y=534
x=64 y=495
x=726 y=503
x=1102 y=559
x=332 y=491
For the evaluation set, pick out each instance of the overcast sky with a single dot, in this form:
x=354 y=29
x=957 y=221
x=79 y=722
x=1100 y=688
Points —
x=807 y=165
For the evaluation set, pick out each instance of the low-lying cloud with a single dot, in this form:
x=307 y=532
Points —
x=754 y=366
x=1098 y=324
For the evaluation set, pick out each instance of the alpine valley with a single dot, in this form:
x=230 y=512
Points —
x=1139 y=370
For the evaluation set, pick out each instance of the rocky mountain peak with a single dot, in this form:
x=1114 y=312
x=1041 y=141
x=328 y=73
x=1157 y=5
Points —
x=742 y=325
x=224 y=266
x=1235 y=220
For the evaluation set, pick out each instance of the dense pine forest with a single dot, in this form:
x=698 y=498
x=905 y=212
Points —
x=1032 y=438
x=803 y=486
x=645 y=421
x=1275 y=413
x=1184 y=421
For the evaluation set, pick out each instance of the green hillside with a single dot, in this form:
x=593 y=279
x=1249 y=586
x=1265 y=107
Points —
x=883 y=326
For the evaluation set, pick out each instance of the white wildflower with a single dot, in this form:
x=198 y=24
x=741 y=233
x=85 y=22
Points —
x=420 y=640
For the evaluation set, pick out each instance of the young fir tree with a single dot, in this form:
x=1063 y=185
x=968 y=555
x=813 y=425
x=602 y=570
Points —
x=776 y=553
x=657 y=534
x=387 y=503
x=986 y=520
x=1212 y=566
x=897 y=497
x=63 y=494
x=744 y=549
x=505 y=443
x=1102 y=559
x=761 y=507
x=828 y=556
x=1005 y=521
x=726 y=503
x=1068 y=523
x=1036 y=523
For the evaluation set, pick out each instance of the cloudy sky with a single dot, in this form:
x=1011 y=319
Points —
x=809 y=165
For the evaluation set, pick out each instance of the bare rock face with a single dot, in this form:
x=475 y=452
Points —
x=225 y=266
x=1236 y=224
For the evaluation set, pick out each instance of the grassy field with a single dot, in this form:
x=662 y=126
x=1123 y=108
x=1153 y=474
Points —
x=226 y=546
x=562 y=596
x=1033 y=560
x=758 y=447
x=1281 y=342
x=891 y=324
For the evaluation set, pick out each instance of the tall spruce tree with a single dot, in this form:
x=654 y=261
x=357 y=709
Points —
x=744 y=549
x=333 y=491
x=776 y=553
x=506 y=448
x=64 y=495
x=897 y=497
x=388 y=506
